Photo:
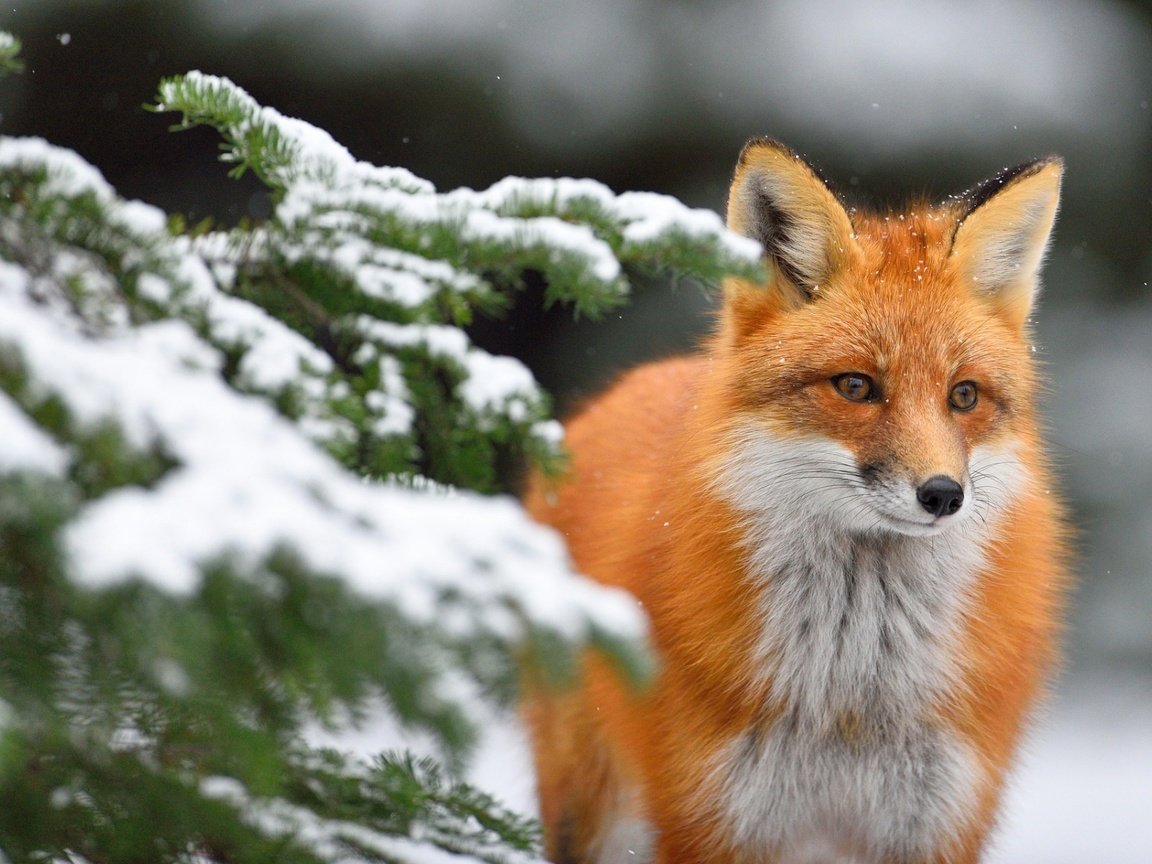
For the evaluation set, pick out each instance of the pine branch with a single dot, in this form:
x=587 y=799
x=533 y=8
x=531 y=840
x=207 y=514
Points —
x=10 y=61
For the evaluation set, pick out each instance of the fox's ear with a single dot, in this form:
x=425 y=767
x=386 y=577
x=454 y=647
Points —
x=778 y=199
x=1003 y=233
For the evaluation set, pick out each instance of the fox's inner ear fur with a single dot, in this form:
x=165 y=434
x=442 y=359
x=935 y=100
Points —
x=778 y=199
x=1003 y=232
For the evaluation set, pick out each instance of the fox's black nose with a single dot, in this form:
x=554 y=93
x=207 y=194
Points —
x=940 y=495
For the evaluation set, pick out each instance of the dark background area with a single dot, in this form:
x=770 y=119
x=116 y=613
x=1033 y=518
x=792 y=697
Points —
x=890 y=99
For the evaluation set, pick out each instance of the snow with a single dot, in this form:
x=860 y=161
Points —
x=546 y=231
x=491 y=384
x=549 y=431
x=68 y=174
x=646 y=216
x=494 y=382
x=346 y=192
x=653 y=216
x=26 y=448
x=390 y=402
x=276 y=354
x=1083 y=790
x=247 y=482
x=315 y=155
x=337 y=239
x=140 y=218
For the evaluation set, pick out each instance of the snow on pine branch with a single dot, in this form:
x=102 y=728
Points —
x=444 y=815
x=244 y=480
x=577 y=230
x=281 y=150
x=26 y=446
x=246 y=483
x=350 y=242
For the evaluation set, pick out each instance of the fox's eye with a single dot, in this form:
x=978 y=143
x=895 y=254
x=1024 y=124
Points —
x=963 y=396
x=856 y=387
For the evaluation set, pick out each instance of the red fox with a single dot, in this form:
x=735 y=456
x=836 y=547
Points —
x=840 y=520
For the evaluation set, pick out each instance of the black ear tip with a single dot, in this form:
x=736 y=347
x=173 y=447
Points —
x=1052 y=160
x=981 y=193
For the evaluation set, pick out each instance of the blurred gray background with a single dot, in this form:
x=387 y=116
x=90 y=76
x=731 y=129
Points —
x=889 y=98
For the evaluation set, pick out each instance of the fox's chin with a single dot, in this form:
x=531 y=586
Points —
x=913 y=528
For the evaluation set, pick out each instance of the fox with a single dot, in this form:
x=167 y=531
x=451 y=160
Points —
x=841 y=521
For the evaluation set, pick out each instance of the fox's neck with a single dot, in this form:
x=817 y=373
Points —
x=859 y=627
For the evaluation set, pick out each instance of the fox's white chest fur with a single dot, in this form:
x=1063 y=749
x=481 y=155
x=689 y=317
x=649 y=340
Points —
x=858 y=643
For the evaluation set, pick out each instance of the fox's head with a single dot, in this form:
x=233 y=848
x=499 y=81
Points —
x=882 y=377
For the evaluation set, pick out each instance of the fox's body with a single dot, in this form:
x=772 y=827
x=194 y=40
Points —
x=840 y=522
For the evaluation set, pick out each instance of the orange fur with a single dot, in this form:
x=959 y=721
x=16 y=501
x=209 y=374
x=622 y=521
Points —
x=911 y=301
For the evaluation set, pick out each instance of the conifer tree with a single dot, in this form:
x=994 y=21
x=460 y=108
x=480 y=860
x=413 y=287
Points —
x=252 y=484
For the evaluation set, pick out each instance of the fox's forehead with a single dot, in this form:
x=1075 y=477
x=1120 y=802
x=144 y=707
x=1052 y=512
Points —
x=901 y=302
x=905 y=243
x=902 y=284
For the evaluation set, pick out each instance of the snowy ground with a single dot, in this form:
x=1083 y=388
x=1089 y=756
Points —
x=1083 y=792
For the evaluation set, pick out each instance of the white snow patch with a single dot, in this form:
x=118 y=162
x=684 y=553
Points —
x=274 y=354
x=492 y=384
x=172 y=339
x=13 y=279
x=391 y=401
x=494 y=381
x=549 y=431
x=378 y=271
x=646 y=216
x=1084 y=787
x=140 y=218
x=317 y=154
x=548 y=231
x=653 y=216
x=154 y=288
x=68 y=175
x=26 y=447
